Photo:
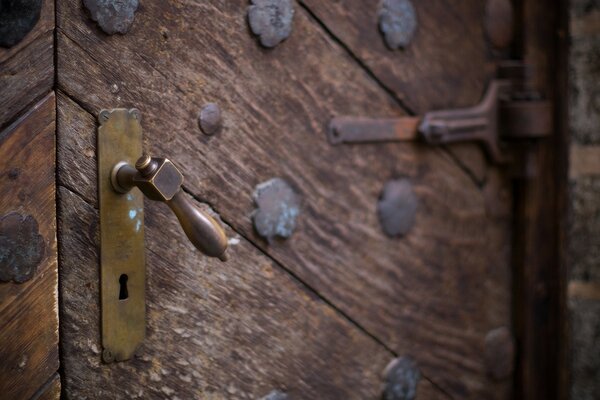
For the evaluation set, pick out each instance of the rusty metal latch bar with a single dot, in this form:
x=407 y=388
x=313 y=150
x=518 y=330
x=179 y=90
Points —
x=508 y=111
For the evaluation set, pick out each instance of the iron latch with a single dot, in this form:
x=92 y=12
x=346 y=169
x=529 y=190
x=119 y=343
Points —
x=510 y=112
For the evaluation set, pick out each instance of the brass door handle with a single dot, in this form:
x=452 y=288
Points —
x=160 y=180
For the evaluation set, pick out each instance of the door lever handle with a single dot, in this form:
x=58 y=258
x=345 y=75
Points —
x=160 y=180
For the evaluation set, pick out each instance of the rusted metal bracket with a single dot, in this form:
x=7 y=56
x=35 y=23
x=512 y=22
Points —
x=509 y=111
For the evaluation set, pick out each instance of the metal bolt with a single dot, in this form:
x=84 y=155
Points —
x=22 y=247
x=210 y=120
x=113 y=16
x=499 y=353
x=278 y=207
x=271 y=20
x=397 y=207
x=103 y=116
x=397 y=22
x=135 y=113
x=401 y=379
x=107 y=356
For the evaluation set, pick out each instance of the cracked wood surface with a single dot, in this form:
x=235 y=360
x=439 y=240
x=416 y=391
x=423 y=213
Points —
x=432 y=295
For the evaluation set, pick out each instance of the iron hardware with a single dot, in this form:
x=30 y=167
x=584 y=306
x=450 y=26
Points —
x=209 y=119
x=271 y=20
x=123 y=272
x=401 y=379
x=397 y=23
x=112 y=16
x=508 y=111
x=160 y=180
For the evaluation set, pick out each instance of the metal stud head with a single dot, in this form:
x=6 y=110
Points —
x=401 y=379
x=271 y=20
x=397 y=207
x=499 y=353
x=21 y=247
x=210 y=120
x=113 y=16
x=278 y=207
x=397 y=22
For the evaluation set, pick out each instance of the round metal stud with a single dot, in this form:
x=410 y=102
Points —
x=210 y=119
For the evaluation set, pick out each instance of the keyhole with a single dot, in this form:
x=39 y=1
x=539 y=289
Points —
x=123 y=290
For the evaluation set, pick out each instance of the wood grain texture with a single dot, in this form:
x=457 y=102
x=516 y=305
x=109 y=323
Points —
x=446 y=65
x=215 y=330
x=26 y=77
x=433 y=295
x=29 y=311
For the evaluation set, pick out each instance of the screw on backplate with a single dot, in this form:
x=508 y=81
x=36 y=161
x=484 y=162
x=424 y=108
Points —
x=210 y=120
x=397 y=207
x=397 y=22
x=271 y=20
x=277 y=209
x=499 y=354
x=17 y=19
x=113 y=16
x=135 y=113
x=401 y=379
x=107 y=356
x=103 y=115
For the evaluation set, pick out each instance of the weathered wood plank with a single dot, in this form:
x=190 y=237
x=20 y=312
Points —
x=447 y=63
x=242 y=328
x=29 y=311
x=433 y=295
x=213 y=310
x=26 y=77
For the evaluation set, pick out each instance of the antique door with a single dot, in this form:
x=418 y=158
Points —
x=331 y=287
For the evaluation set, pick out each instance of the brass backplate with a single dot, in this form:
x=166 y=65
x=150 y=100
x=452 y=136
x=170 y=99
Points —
x=122 y=264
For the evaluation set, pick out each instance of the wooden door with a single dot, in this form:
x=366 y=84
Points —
x=322 y=313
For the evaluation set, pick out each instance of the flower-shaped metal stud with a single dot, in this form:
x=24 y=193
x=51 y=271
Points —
x=113 y=16
x=271 y=20
x=397 y=207
x=397 y=22
x=278 y=207
x=21 y=247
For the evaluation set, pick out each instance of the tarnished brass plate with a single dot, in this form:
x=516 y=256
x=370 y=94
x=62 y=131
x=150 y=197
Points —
x=122 y=264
